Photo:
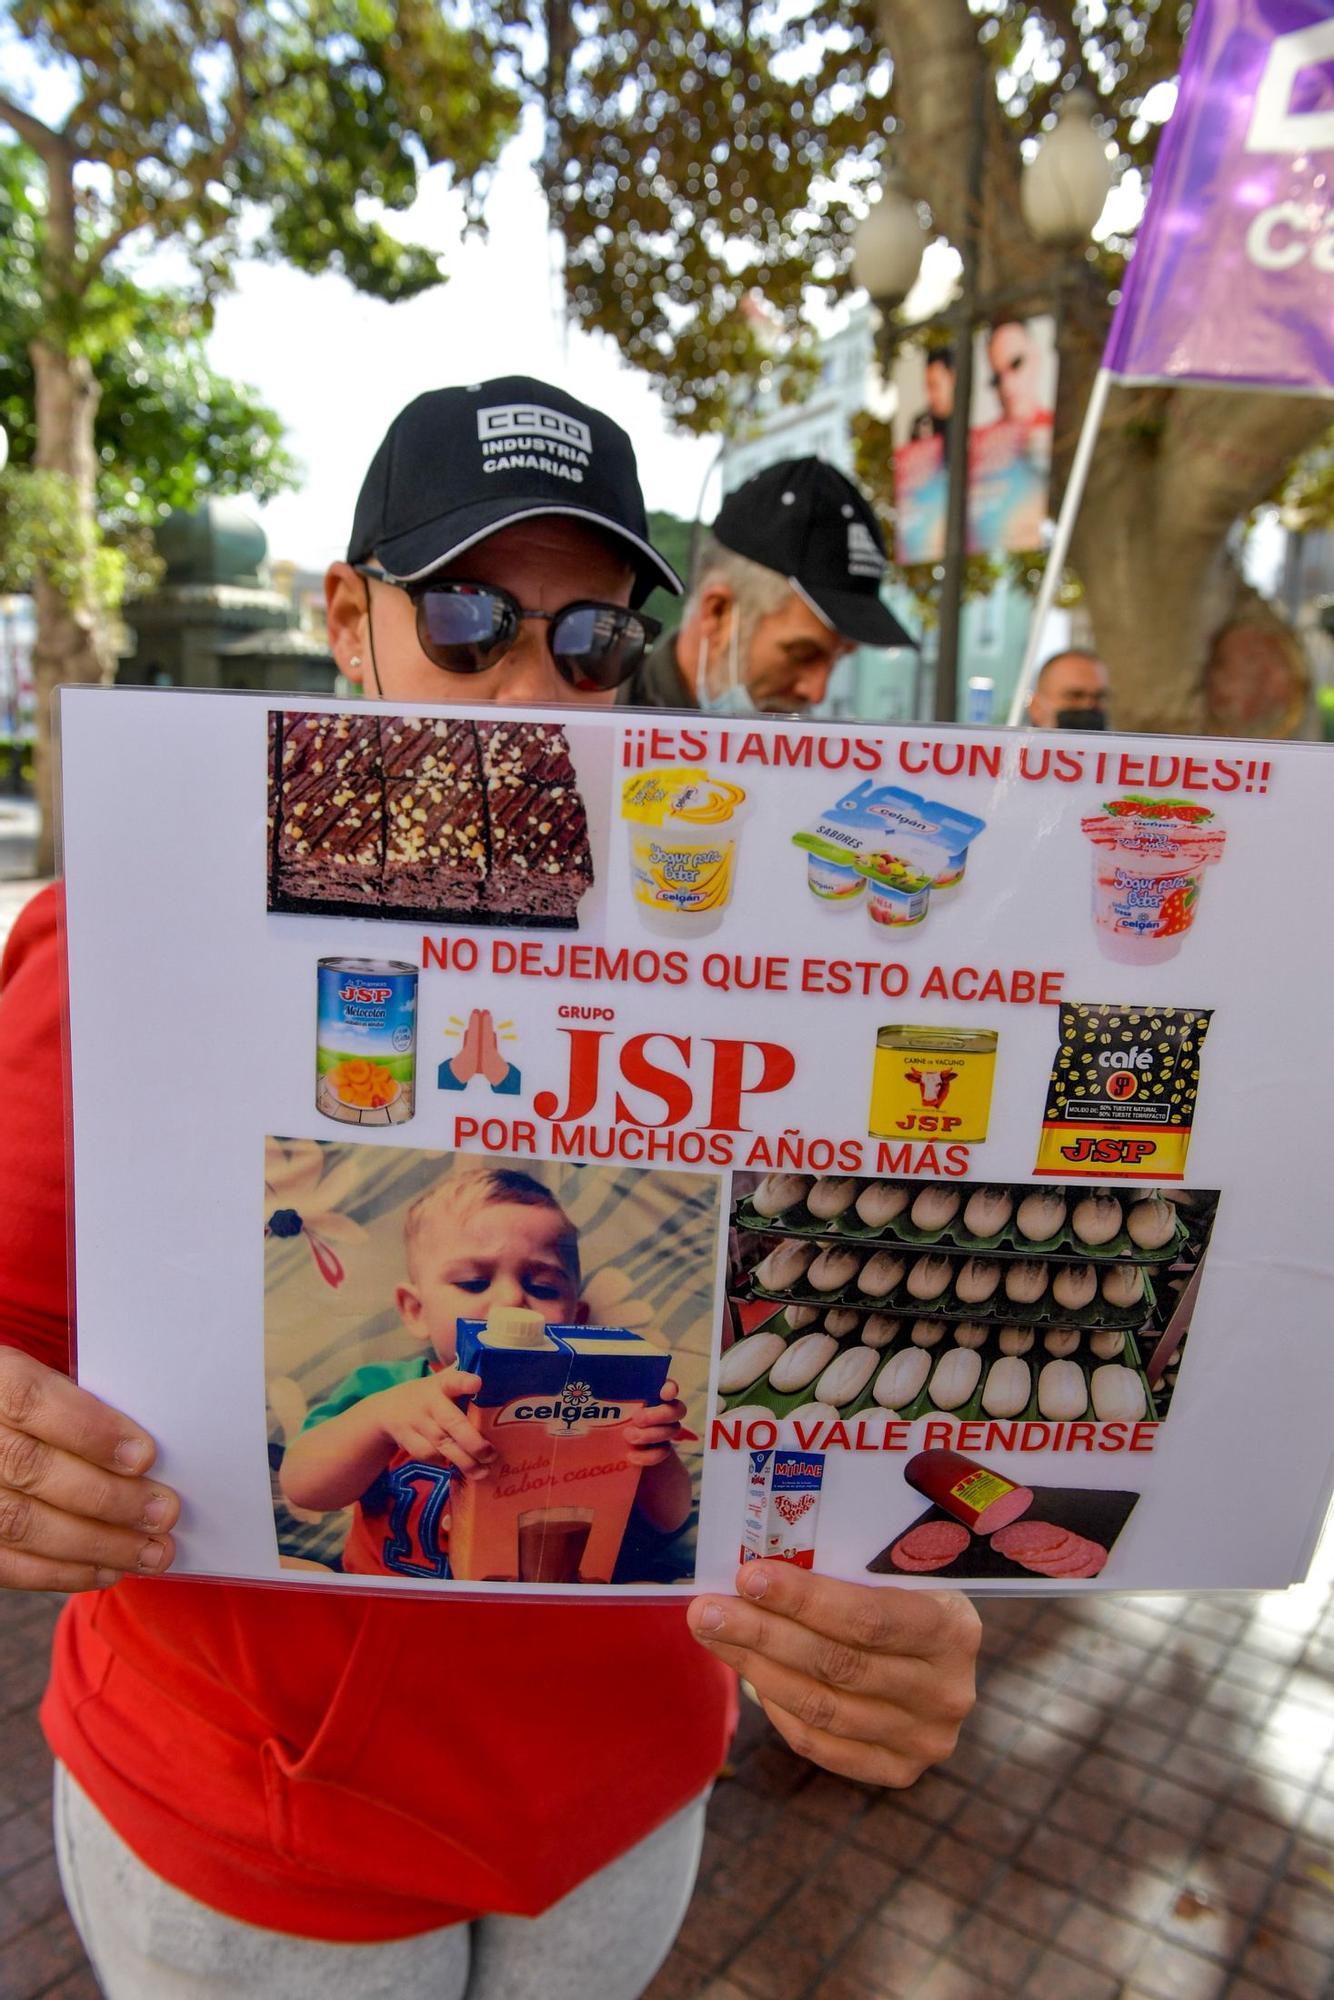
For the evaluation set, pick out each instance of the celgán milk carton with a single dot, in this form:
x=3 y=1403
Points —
x=555 y=1403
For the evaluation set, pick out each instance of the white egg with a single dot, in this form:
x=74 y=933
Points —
x=881 y=1274
x=1016 y=1339
x=841 y=1322
x=971 y=1333
x=829 y=1198
x=927 y=1332
x=988 y=1211
x=977 y=1279
x=1151 y=1224
x=929 y=1277
x=778 y=1192
x=1041 y=1215
x=800 y=1317
x=832 y=1270
x=784 y=1266
x=880 y=1202
x=1123 y=1285
x=878 y=1331
x=1074 y=1285
x=1061 y=1341
x=934 y=1207
x=1097 y=1219
x=1025 y=1281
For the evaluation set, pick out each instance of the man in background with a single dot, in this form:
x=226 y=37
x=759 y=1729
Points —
x=1071 y=692
x=786 y=583
x=938 y=375
x=1015 y=361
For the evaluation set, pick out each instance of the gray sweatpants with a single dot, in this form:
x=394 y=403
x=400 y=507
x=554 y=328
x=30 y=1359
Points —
x=149 y=1941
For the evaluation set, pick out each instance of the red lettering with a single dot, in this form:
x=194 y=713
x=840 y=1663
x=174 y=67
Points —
x=778 y=1066
x=585 y=1059
x=674 y=1092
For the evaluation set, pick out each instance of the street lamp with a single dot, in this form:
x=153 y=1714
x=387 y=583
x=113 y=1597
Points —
x=1062 y=192
x=1064 y=186
x=887 y=245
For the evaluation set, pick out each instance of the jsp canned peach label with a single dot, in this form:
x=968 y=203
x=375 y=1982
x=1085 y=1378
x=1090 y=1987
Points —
x=935 y=1081
x=366 y=1041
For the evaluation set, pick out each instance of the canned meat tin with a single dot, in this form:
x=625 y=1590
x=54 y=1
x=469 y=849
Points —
x=935 y=1081
x=366 y=1041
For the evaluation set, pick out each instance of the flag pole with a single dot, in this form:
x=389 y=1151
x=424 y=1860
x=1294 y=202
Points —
x=1060 y=547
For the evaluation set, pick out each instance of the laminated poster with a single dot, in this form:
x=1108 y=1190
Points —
x=941 y=1116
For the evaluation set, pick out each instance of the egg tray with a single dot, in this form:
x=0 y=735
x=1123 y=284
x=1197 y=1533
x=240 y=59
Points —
x=972 y=1411
x=900 y=1302
x=783 y=1405
x=954 y=1239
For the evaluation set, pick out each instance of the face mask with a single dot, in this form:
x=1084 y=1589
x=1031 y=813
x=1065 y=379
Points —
x=1081 y=718
x=735 y=698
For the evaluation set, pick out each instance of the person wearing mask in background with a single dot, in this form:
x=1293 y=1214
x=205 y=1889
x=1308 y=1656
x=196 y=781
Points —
x=1070 y=692
x=787 y=582
x=287 y=1794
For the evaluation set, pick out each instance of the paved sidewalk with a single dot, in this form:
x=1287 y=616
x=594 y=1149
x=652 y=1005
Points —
x=1142 y=1808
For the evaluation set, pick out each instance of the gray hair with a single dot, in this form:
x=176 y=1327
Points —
x=756 y=591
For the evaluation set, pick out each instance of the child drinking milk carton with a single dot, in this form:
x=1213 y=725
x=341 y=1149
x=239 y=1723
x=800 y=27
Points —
x=395 y=1436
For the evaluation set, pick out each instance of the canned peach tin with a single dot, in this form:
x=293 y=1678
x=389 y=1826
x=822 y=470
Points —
x=366 y=1040
x=935 y=1081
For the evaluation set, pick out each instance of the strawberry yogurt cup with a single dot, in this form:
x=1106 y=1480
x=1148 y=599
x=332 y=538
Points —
x=1149 y=858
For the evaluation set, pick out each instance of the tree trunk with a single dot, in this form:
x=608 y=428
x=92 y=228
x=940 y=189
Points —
x=72 y=642
x=1174 y=471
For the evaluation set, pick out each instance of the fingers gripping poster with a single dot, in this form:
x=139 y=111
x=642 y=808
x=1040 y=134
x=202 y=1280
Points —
x=573 y=1153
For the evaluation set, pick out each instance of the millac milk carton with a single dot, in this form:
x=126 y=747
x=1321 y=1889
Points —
x=782 y=1503
x=555 y=1402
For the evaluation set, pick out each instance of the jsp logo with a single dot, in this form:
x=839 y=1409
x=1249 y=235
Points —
x=1275 y=126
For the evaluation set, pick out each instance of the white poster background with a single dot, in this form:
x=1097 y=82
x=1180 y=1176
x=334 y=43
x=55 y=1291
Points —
x=192 y=1037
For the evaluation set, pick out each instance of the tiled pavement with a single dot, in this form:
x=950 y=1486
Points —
x=1142 y=1808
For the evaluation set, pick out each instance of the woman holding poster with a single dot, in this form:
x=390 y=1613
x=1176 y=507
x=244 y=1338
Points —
x=314 y=1792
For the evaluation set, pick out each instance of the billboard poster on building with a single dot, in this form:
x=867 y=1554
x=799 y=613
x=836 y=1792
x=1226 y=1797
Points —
x=1009 y=448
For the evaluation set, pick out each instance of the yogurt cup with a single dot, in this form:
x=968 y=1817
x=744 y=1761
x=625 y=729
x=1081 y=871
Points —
x=882 y=833
x=1149 y=858
x=835 y=882
x=899 y=894
x=684 y=828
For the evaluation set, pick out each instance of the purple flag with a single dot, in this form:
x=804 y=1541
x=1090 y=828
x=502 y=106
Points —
x=1232 y=279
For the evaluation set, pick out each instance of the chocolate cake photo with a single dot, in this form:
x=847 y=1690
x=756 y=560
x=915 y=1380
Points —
x=425 y=817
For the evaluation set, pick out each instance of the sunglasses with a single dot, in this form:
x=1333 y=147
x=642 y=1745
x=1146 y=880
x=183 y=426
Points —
x=465 y=628
x=1010 y=367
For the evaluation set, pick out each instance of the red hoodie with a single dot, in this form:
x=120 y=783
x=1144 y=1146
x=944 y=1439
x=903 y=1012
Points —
x=338 y=1767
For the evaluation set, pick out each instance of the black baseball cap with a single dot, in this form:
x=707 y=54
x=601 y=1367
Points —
x=457 y=464
x=803 y=518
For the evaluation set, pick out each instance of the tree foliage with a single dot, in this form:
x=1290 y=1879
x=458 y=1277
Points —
x=169 y=430
x=721 y=147
x=220 y=126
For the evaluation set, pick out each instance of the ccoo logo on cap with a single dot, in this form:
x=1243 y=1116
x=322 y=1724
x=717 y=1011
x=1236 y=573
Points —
x=804 y=519
x=457 y=464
